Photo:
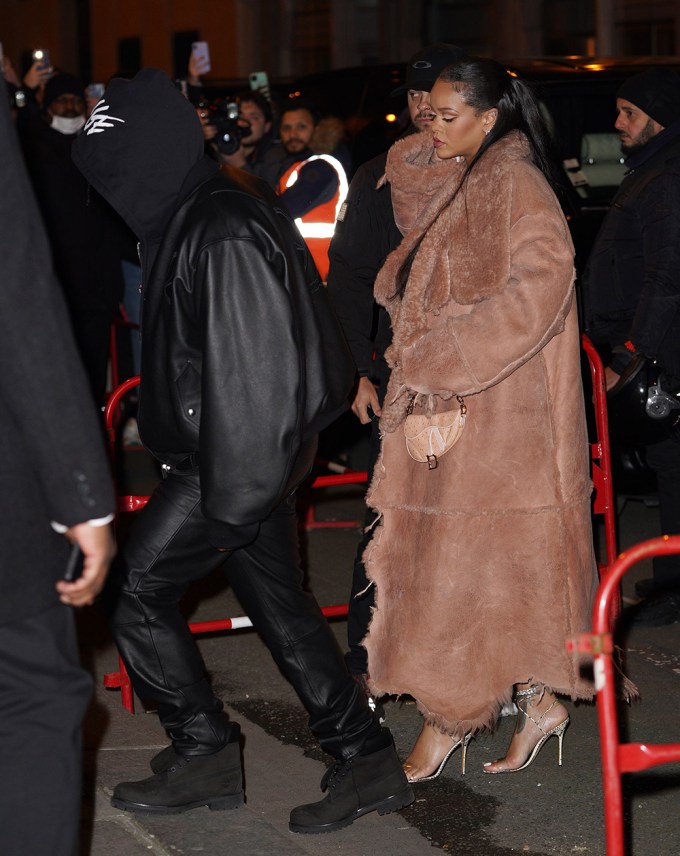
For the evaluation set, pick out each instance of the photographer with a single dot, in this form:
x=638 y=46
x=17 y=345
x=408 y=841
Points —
x=256 y=117
x=238 y=130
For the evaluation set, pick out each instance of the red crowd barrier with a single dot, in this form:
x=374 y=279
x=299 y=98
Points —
x=619 y=758
x=600 y=456
x=601 y=474
x=120 y=679
x=122 y=322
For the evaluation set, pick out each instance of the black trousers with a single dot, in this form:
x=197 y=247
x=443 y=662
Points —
x=166 y=551
x=44 y=692
x=664 y=459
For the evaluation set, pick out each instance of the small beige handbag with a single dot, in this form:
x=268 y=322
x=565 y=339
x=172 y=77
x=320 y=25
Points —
x=430 y=437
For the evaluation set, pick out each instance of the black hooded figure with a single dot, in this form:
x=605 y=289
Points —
x=242 y=365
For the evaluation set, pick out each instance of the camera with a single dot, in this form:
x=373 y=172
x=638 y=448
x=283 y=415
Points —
x=223 y=115
x=660 y=403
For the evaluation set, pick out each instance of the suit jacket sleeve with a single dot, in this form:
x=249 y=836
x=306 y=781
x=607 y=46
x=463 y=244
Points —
x=46 y=404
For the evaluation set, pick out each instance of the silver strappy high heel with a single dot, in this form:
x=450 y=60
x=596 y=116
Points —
x=463 y=743
x=522 y=699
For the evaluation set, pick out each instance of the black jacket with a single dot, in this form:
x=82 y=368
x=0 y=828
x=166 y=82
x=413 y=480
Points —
x=242 y=359
x=631 y=285
x=52 y=461
x=364 y=236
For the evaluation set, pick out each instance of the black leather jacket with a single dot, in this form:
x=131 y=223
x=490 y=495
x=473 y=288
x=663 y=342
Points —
x=242 y=358
x=238 y=369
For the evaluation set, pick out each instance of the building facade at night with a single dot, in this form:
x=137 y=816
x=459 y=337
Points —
x=98 y=38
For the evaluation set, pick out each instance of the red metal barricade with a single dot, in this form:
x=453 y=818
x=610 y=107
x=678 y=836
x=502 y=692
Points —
x=601 y=466
x=119 y=323
x=619 y=758
x=120 y=679
x=600 y=456
x=603 y=504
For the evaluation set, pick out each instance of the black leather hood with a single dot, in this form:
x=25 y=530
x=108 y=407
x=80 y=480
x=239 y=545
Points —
x=136 y=149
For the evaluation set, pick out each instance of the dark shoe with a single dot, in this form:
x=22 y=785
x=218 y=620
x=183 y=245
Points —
x=163 y=759
x=364 y=783
x=658 y=611
x=376 y=706
x=214 y=780
x=195 y=734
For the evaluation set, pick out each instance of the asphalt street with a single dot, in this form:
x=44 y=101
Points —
x=545 y=810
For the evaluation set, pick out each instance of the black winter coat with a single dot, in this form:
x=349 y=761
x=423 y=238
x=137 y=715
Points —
x=364 y=236
x=631 y=285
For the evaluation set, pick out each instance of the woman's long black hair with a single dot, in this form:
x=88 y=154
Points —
x=484 y=84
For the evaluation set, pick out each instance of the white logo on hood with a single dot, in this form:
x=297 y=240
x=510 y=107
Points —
x=99 y=121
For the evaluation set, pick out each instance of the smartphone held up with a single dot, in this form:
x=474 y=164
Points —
x=42 y=57
x=201 y=57
x=259 y=82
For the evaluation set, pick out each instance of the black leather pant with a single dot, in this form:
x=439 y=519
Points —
x=167 y=549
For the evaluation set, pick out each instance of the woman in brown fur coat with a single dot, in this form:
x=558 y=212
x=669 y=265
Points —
x=484 y=564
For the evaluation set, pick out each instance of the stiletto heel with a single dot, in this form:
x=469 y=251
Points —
x=522 y=699
x=464 y=742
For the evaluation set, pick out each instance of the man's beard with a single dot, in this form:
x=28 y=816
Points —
x=294 y=147
x=640 y=141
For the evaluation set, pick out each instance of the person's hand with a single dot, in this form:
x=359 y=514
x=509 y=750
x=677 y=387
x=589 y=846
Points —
x=8 y=72
x=98 y=548
x=195 y=69
x=366 y=396
x=209 y=131
x=37 y=75
x=611 y=378
x=237 y=158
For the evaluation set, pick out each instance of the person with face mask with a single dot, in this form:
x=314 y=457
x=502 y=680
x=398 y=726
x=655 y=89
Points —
x=64 y=103
x=81 y=227
x=242 y=365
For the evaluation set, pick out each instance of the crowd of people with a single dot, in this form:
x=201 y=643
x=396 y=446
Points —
x=450 y=304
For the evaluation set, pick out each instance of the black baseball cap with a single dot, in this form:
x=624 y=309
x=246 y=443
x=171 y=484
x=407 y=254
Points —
x=424 y=67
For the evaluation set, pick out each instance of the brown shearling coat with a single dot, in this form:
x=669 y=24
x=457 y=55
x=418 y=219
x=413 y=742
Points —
x=483 y=566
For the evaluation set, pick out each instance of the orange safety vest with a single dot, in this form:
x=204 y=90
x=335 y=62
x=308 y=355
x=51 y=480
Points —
x=318 y=224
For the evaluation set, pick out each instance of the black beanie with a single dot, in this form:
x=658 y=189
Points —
x=656 y=92
x=427 y=64
x=62 y=84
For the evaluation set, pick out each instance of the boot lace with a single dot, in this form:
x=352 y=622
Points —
x=181 y=761
x=335 y=774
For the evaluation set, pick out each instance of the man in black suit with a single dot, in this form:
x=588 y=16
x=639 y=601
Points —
x=54 y=481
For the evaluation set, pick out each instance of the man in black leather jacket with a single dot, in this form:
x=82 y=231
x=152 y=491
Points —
x=242 y=365
x=631 y=286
